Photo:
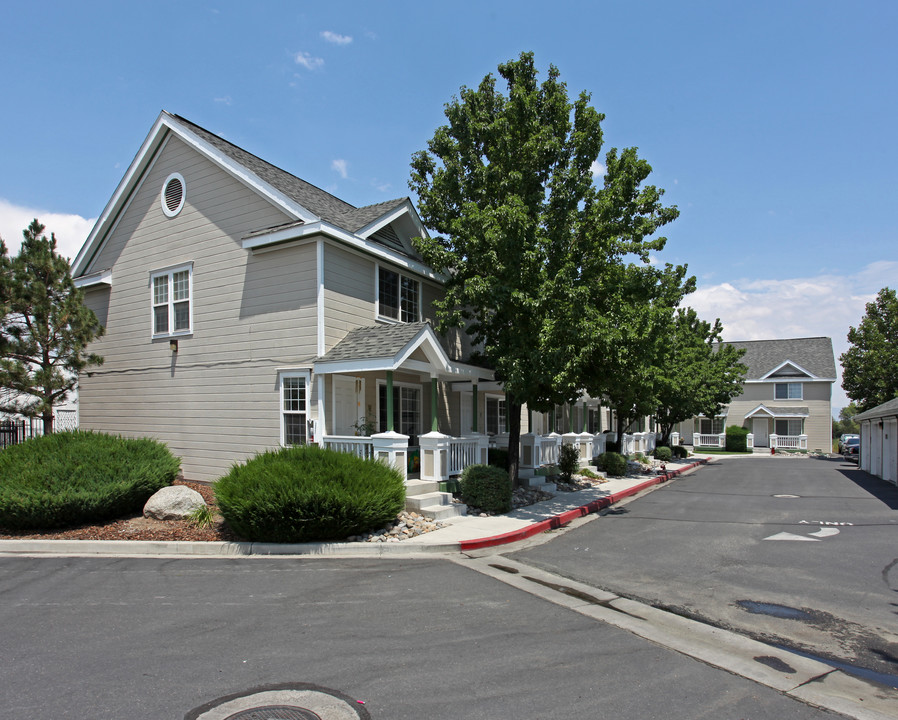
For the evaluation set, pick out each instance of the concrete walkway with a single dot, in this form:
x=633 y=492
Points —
x=462 y=534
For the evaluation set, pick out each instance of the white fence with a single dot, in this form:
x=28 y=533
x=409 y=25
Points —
x=463 y=452
x=362 y=447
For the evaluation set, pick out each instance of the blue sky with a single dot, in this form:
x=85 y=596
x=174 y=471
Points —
x=771 y=125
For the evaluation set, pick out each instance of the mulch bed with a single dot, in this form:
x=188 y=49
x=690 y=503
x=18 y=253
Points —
x=137 y=527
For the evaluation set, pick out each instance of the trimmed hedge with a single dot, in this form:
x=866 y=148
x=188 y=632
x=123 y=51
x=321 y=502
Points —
x=486 y=487
x=78 y=477
x=307 y=493
x=497 y=457
x=663 y=453
x=736 y=439
x=613 y=464
x=680 y=451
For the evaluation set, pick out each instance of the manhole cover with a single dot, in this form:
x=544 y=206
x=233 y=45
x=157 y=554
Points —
x=275 y=712
x=289 y=701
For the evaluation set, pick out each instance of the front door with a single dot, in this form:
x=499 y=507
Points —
x=348 y=404
x=759 y=428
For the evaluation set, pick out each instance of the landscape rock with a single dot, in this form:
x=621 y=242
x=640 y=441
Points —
x=175 y=502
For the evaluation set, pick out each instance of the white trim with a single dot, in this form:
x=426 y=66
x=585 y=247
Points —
x=162 y=199
x=788 y=397
x=798 y=379
x=773 y=412
x=169 y=272
x=319 y=279
x=793 y=364
x=282 y=374
x=104 y=277
x=369 y=247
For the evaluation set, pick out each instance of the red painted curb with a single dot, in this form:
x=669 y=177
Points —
x=562 y=519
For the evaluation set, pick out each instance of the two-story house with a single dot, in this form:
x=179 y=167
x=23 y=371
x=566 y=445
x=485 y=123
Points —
x=246 y=308
x=786 y=396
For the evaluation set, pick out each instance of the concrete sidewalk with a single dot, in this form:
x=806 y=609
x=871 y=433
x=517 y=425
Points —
x=464 y=533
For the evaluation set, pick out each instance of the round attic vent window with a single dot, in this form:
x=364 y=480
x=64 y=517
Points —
x=173 y=194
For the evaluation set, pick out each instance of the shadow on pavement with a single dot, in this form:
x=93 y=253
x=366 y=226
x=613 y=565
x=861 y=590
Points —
x=877 y=487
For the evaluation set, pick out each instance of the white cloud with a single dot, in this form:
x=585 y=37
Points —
x=226 y=100
x=597 y=169
x=308 y=61
x=342 y=167
x=825 y=305
x=71 y=230
x=335 y=38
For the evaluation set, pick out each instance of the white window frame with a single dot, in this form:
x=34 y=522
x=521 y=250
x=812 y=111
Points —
x=396 y=385
x=306 y=377
x=502 y=414
x=170 y=302
x=389 y=318
x=790 y=386
x=790 y=421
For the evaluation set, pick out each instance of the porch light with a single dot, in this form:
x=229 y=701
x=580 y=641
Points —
x=173 y=345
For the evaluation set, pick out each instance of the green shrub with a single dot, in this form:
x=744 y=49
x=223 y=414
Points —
x=486 y=487
x=680 y=451
x=568 y=461
x=736 y=439
x=78 y=477
x=307 y=493
x=663 y=453
x=497 y=457
x=613 y=464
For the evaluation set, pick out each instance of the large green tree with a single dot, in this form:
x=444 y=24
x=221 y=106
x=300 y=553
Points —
x=870 y=365
x=508 y=184
x=45 y=329
x=698 y=374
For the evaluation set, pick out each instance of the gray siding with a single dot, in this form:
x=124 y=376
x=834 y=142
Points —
x=349 y=293
x=216 y=400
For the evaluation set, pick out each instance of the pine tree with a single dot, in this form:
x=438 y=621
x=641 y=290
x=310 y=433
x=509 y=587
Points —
x=45 y=328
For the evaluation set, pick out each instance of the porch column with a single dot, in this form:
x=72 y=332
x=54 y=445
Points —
x=585 y=442
x=434 y=421
x=474 y=413
x=390 y=427
x=583 y=424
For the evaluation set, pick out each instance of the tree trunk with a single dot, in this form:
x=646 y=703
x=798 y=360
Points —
x=47 y=417
x=514 y=440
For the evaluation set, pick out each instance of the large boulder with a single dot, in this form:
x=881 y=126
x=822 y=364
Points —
x=175 y=502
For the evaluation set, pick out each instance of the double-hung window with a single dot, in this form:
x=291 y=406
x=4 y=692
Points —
x=398 y=296
x=788 y=426
x=294 y=407
x=172 y=297
x=788 y=391
x=495 y=416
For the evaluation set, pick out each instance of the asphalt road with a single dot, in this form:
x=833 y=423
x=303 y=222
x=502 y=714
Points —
x=149 y=638
x=801 y=552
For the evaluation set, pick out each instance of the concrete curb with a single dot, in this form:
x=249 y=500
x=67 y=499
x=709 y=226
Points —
x=553 y=523
x=158 y=548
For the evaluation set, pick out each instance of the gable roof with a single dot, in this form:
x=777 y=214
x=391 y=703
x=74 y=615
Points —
x=790 y=358
x=310 y=207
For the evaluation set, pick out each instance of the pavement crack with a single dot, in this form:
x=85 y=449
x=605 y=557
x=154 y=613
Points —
x=817 y=678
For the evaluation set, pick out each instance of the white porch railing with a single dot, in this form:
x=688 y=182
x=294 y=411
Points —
x=362 y=447
x=709 y=440
x=789 y=442
x=548 y=448
x=463 y=452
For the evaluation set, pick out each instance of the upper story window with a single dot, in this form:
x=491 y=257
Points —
x=788 y=391
x=172 y=301
x=398 y=296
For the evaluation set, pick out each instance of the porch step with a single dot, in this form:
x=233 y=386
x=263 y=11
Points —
x=419 y=487
x=437 y=505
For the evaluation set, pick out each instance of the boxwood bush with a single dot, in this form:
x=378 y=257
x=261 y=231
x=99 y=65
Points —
x=680 y=451
x=486 y=487
x=568 y=461
x=736 y=439
x=663 y=453
x=308 y=493
x=613 y=464
x=78 y=477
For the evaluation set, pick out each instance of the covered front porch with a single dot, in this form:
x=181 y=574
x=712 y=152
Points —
x=777 y=427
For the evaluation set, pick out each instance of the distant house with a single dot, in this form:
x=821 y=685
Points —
x=786 y=400
x=879 y=441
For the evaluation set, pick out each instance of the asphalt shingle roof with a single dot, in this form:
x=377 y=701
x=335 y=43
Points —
x=813 y=354
x=886 y=409
x=374 y=341
x=326 y=206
